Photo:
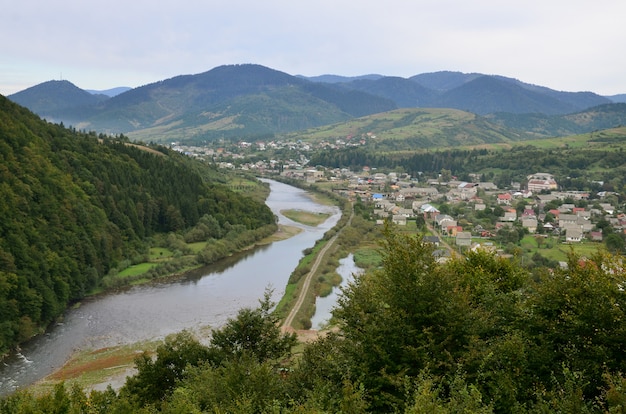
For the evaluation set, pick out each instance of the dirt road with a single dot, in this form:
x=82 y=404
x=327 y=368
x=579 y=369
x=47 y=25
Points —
x=287 y=323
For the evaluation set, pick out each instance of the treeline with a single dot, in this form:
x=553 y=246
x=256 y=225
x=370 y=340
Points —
x=75 y=204
x=478 y=334
x=576 y=167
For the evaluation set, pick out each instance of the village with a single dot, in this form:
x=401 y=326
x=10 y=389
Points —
x=466 y=215
x=470 y=215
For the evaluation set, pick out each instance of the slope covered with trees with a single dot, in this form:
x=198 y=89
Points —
x=73 y=205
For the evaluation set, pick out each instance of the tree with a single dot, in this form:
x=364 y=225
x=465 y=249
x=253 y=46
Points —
x=156 y=378
x=445 y=175
x=578 y=322
x=539 y=239
x=614 y=243
x=253 y=332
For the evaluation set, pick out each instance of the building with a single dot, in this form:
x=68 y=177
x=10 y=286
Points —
x=464 y=238
x=541 y=181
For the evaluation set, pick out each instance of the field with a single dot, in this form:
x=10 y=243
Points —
x=553 y=249
x=305 y=217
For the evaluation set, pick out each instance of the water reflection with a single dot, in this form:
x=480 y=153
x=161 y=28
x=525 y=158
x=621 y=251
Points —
x=323 y=306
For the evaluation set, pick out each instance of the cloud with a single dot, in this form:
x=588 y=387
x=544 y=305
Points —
x=569 y=45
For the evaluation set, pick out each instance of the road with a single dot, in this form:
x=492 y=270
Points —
x=287 y=323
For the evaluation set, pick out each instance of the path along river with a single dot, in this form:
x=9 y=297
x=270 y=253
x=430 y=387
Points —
x=204 y=298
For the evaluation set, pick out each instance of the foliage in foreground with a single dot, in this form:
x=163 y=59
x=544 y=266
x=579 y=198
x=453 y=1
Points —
x=477 y=334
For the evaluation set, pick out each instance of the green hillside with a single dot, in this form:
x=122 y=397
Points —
x=73 y=205
x=592 y=119
x=415 y=128
x=246 y=117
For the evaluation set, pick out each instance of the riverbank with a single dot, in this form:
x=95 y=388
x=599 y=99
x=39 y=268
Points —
x=96 y=369
x=109 y=323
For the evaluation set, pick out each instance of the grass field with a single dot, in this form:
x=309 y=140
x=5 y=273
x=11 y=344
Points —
x=137 y=269
x=305 y=217
x=157 y=253
x=554 y=249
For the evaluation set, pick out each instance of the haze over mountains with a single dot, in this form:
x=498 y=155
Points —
x=252 y=101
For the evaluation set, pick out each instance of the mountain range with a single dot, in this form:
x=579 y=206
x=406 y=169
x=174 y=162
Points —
x=252 y=101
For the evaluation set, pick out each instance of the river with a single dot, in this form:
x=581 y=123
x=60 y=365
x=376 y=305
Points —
x=323 y=306
x=203 y=298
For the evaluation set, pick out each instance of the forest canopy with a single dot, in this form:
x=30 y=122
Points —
x=75 y=204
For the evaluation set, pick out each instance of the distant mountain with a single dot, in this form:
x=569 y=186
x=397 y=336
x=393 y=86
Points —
x=234 y=100
x=444 y=80
x=252 y=101
x=339 y=79
x=55 y=99
x=488 y=94
x=110 y=92
x=618 y=98
x=478 y=93
x=405 y=93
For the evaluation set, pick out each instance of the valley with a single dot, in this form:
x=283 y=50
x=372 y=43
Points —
x=488 y=215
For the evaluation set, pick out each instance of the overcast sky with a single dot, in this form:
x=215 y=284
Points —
x=569 y=45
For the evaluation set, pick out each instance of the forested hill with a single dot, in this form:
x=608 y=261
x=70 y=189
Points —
x=74 y=204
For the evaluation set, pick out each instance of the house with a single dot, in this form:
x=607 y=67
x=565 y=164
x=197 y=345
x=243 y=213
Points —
x=384 y=204
x=381 y=213
x=541 y=181
x=428 y=211
x=312 y=176
x=444 y=220
x=398 y=219
x=586 y=214
x=432 y=240
x=406 y=212
x=453 y=230
x=509 y=216
x=546 y=198
x=505 y=199
x=467 y=190
x=486 y=247
x=596 y=236
x=609 y=209
x=530 y=223
x=447 y=225
x=565 y=219
x=441 y=255
x=573 y=235
x=464 y=238
x=489 y=186
x=408 y=192
x=429 y=192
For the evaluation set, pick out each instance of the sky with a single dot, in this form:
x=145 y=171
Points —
x=566 y=45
